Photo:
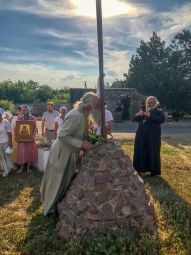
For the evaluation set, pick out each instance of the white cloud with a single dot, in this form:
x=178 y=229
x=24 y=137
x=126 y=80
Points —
x=42 y=7
x=85 y=8
x=117 y=61
x=122 y=35
x=44 y=75
x=166 y=24
x=4 y=49
x=71 y=62
x=110 y=8
x=174 y=21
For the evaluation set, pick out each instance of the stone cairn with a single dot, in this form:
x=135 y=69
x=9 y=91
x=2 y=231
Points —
x=107 y=195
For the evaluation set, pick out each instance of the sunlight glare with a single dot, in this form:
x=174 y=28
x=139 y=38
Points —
x=109 y=8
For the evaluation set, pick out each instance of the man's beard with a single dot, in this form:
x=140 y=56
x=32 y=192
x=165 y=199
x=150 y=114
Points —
x=149 y=108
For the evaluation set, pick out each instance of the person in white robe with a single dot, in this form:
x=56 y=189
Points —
x=64 y=153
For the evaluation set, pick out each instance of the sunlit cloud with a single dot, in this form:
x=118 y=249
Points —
x=42 y=7
x=45 y=75
x=173 y=22
x=166 y=24
x=110 y=8
x=59 y=46
x=85 y=8
x=117 y=61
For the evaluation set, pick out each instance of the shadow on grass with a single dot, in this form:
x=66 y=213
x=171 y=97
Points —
x=176 y=211
x=14 y=183
x=41 y=239
x=177 y=142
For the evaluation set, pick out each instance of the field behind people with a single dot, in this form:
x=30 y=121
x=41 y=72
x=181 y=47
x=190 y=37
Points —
x=24 y=230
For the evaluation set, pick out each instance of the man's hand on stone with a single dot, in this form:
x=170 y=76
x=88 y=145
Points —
x=86 y=145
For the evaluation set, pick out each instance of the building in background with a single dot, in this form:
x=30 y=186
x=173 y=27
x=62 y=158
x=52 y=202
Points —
x=128 y=99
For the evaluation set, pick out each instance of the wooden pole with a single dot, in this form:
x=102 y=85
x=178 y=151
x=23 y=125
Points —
x=101 y=71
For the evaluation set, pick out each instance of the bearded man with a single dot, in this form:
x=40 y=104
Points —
x=64 y=153
x=148 y=138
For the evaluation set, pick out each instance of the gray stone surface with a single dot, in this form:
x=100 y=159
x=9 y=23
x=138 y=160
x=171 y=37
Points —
x=106 y=195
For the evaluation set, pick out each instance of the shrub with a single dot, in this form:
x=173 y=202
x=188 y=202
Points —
x=7 y=105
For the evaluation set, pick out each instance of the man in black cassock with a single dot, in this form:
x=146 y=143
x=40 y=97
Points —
x=148 y=138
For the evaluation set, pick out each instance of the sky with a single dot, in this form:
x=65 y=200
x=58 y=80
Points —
x=54 y=42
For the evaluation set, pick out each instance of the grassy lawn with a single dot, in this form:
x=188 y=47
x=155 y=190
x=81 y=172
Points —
x=23 y=229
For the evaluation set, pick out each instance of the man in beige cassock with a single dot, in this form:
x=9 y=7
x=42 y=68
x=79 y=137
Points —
x=64 y=153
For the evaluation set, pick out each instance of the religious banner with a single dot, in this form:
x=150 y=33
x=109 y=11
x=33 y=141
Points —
x=24 y=131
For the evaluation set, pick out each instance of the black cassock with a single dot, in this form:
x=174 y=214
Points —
x=148 y=143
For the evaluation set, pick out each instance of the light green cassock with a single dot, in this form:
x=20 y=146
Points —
x=61 y=165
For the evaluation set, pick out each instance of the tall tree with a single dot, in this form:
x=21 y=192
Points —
x=164 y=72
x=29 y=92
x=179 y=73
x=119 y=84
x=147 y=67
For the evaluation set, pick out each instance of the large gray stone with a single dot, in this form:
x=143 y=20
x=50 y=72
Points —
x=106 y=195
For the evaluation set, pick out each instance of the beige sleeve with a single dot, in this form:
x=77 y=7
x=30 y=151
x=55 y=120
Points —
x=68 y=129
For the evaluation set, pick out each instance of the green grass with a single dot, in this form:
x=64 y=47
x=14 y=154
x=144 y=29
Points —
x=24 y=230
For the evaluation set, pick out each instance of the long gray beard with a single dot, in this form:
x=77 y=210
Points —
x=150 y=108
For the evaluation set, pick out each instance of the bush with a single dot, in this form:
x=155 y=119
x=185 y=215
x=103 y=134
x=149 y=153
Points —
x=7 y=105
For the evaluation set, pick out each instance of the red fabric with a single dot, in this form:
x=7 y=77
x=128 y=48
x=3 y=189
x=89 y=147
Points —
x=27 y=152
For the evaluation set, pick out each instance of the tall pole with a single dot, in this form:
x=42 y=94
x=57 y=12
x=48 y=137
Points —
x=101 y=72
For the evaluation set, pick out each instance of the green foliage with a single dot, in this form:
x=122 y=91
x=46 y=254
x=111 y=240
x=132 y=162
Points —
x=93 y=138
x=30 y=92
x=7 y=105
x=61 y=96
x=119 y=84
x=43 y=93
x=164 y=72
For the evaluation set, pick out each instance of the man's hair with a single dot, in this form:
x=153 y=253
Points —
x=19 y=108
x=156 y=102
x=63 y=108
x=50 y=103
x=26 y=106
x=85 y=100
x=154 y=98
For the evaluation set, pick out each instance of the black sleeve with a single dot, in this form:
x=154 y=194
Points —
x=157 y=117
x=138 y=118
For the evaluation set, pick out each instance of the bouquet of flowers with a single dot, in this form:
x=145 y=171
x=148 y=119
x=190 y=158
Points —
x=94 y=138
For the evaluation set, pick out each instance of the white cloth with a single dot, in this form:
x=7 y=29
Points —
x=49 y=118
x=108 y=117
x=5 y=127
x=5 y=159
x=59 y=120
x=13 y=123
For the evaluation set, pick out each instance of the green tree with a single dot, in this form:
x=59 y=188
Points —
x=119 y=84
x=7 y=105
x=43 y=93
x=61 y=96
x=179 y=70
x=147 y=67
x=22 y=92
x=164 y=72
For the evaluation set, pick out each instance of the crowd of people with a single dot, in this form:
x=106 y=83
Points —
x=67 y=131
x=71 y=140
x=18 y=148
x=18 y=153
